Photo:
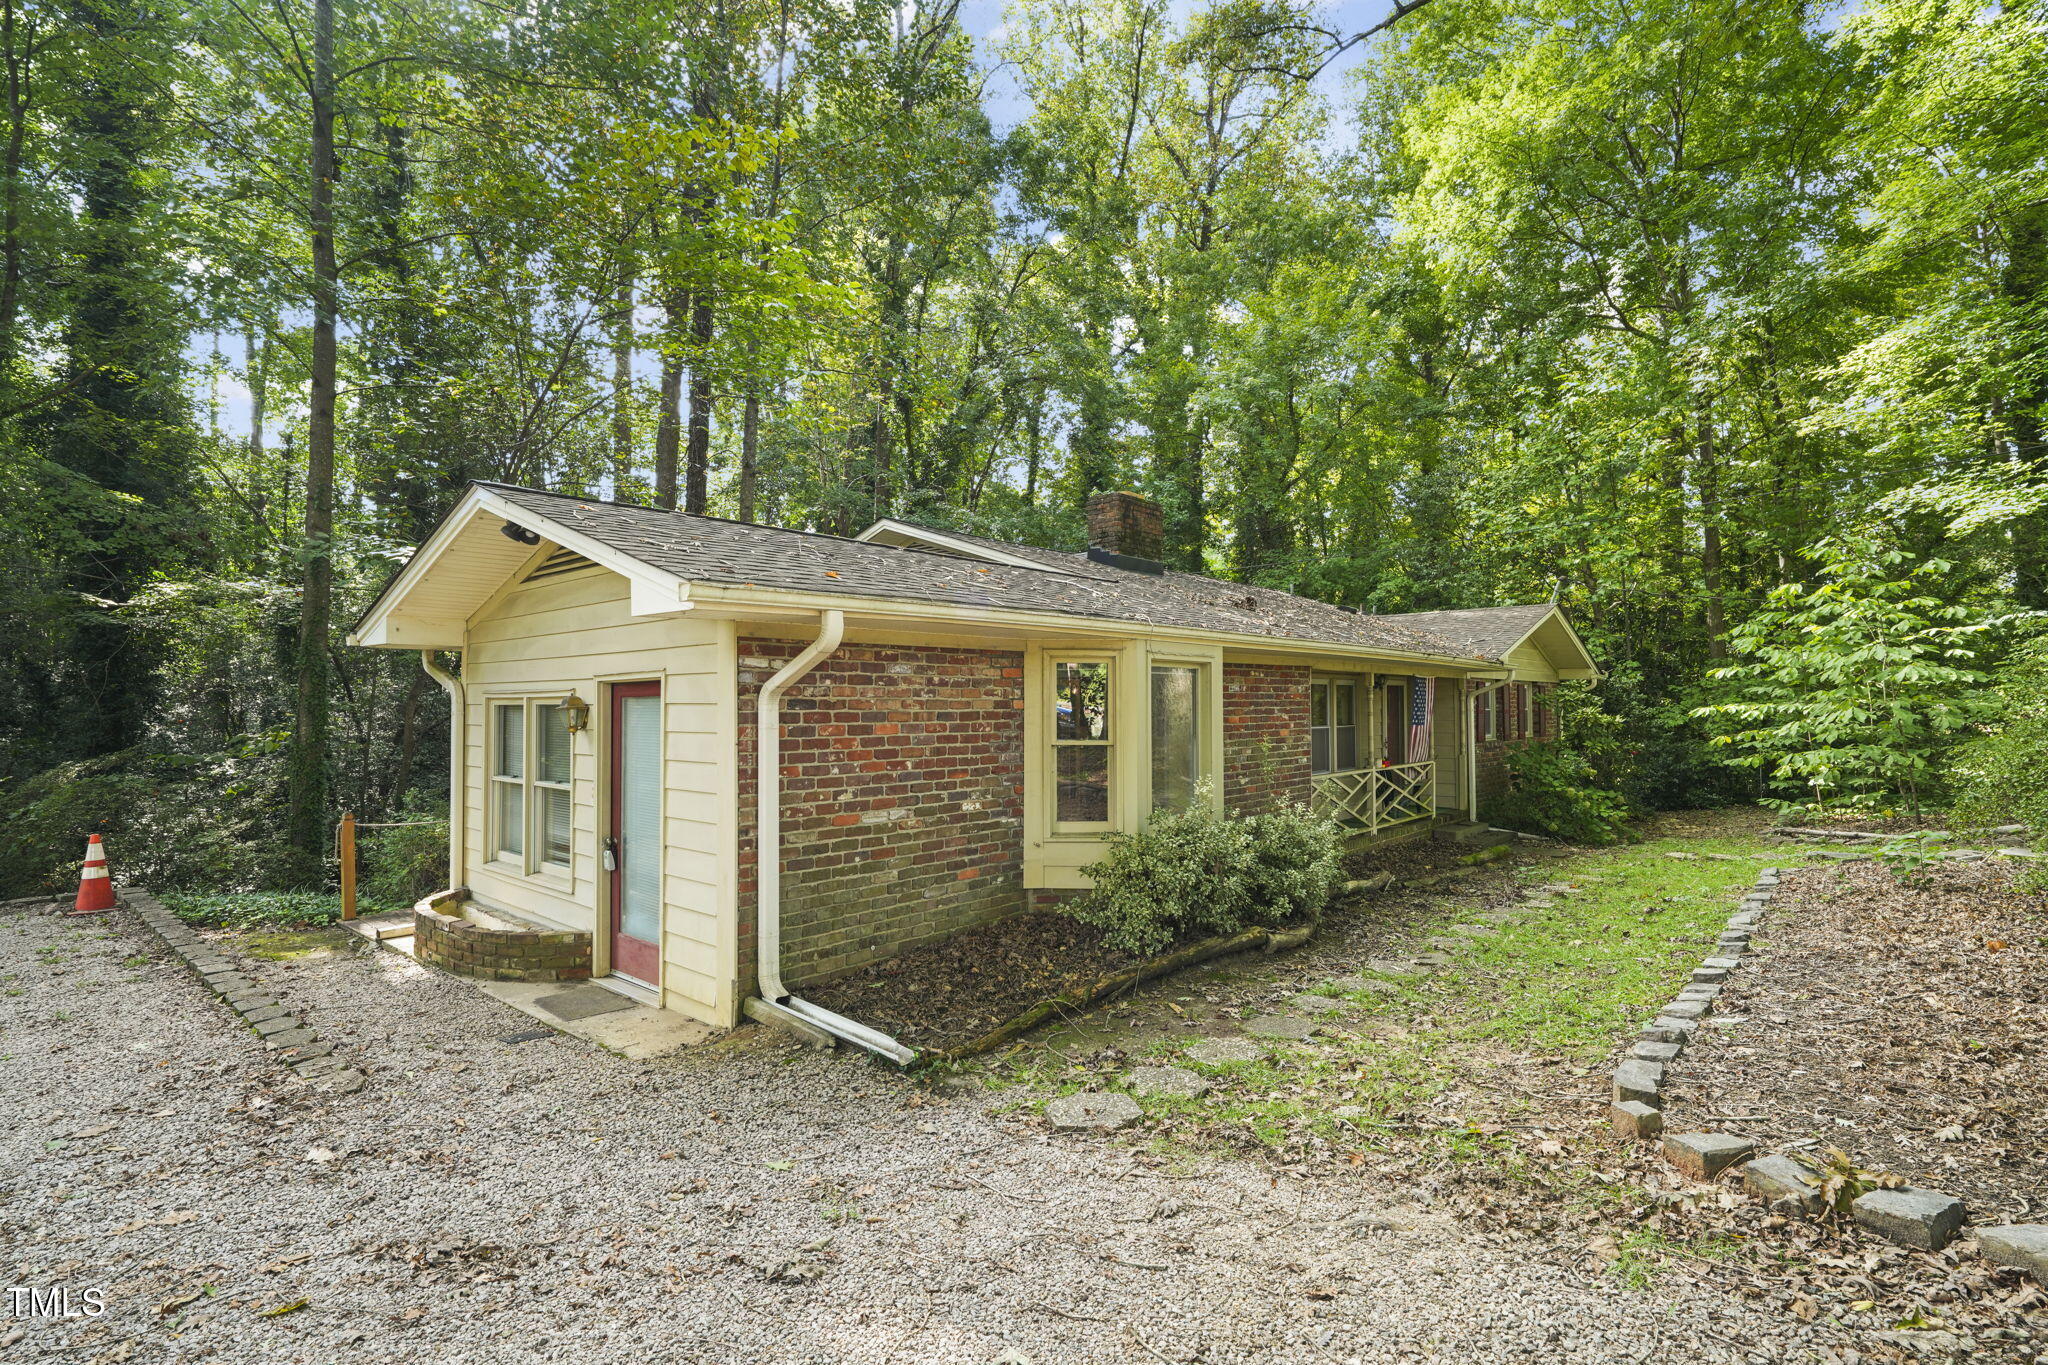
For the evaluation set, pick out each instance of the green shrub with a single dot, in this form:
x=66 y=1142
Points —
x=1198 y=872
x=1552 y=790
x=1997 y=773
x=400 y=865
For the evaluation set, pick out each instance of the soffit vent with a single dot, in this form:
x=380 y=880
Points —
x=559 y=563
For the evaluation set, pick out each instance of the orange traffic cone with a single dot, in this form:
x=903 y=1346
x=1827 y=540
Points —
x=95 y=887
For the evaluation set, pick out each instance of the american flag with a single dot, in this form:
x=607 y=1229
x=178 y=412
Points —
x=1420 y=709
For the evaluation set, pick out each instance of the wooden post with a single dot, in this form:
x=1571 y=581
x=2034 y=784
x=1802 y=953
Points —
x=348 y=865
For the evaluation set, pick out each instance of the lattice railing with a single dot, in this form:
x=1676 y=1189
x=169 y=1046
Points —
x=1377 y=797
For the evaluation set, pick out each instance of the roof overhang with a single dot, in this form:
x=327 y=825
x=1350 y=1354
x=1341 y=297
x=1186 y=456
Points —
x=428 y=603
x=1561 y=646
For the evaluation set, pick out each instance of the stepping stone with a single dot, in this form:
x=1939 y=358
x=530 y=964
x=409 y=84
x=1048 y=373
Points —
x=1656 y=1052
x=1391 y=966
x=1098 y=1112
x=1687 y=1009
x=270 y=1026
x=343 y=1083
x=259 y=1013
x=1704 y=1156
x=1634 y=1120
x=1702 y=990
x=1447 y=944
x=1726 y=964
x=1280 y=1026
x=1538 y=902
x=1639 y=1081
x=1175 y=1082
x=1353 y=985
x=1432 y=960
x=2023 y=1246
x=583 y=1002
x=1475 y=930
x=309 y=1048
x=291 y=1037
x=1708 y=976
x=1926 y=1219
x=1776 y=1177
x=1320 y=1004
x=1225 y=1051
x=1665 y=1029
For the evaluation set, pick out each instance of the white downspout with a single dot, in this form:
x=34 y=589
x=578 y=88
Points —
x=775 y=998
x=458 y=774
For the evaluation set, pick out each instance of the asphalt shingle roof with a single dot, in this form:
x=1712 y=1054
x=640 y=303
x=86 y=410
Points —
x=1489 y=632
x=710 y=550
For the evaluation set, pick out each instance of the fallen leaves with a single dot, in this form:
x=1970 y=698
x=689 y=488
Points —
x=168 y=1220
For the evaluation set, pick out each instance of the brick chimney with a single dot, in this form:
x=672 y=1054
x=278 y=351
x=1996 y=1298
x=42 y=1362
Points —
x=1126 y=531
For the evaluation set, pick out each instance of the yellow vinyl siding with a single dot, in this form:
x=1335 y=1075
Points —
x=575 y=633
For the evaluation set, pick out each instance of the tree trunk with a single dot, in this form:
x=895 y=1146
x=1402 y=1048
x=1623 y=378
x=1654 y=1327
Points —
x=1709 y=482
x=306 y=802
x=668 y=431
x=750 y=436
x=2025 y=284
x=622 y=387
x=697 y=474
x=10 y=215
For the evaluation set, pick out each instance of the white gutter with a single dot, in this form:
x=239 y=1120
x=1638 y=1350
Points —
x=775 y=997
x=458 y=798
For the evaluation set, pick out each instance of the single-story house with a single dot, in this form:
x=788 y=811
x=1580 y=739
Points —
x=925 y=729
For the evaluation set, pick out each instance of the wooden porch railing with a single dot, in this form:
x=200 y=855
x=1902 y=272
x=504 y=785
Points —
x=1375 y=798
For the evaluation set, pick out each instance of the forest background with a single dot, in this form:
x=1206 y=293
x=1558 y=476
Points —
x=1723 y=323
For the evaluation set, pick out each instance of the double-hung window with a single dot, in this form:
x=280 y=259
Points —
x=1082 y=742
x=1489 y=712
x=1333 y=725
x=531 y=807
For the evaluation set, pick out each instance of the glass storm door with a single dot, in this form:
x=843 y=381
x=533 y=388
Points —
x=635 y=843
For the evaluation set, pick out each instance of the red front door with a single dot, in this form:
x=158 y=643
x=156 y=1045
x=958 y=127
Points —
x=634 y=844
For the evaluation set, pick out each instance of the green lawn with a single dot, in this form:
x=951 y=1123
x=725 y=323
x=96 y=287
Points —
x=1522 y=1014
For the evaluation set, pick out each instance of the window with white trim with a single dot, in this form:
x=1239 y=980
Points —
x=1525 y=715
x=1489 y=711
x=1082 y=742
x=532 y=808
x=1333 y=725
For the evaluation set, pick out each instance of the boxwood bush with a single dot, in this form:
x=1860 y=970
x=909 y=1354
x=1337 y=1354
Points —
x=1195 y=873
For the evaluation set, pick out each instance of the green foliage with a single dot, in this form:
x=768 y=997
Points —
x=404 y=864
x=1848 y=692
x=1908 y=857
x=1199 y=872
x=1553 y=790
x=261 y=909
x=169 y=821
x=1997 y=773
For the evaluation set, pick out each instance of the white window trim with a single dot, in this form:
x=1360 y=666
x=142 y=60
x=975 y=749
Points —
x=530 y=862
x=1110 y=744
x=1362 y=704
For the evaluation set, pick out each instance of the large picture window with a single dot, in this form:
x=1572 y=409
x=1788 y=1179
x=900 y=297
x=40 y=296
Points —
x=1176 y=735
x=1082 y=741
x=532 y=806
x=1333 y=725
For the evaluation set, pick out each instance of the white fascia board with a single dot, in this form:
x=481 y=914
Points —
x=939 y=540
x=721 y=600
x=654 y=591
x=1588 y=669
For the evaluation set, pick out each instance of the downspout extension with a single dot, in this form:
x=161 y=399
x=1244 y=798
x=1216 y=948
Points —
x=775 y=998
x=458 y=738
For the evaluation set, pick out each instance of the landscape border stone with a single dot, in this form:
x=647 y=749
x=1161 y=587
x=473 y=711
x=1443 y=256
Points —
x=283 y=1033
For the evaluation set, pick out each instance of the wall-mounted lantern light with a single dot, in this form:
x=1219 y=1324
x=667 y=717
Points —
x=575 y=713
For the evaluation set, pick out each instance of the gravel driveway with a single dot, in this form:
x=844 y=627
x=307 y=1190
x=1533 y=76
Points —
x=492 y=1201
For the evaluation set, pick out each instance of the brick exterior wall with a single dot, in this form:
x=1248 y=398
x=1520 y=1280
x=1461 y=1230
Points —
x=488 y=953
x=1490 y=756
x=1265 y=736
x=902 y=800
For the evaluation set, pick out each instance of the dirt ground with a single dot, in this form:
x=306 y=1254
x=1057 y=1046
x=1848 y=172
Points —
x=1904 y=1022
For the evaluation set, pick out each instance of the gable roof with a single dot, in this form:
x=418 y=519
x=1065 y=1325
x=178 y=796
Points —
x=1489 y=632
x=964 y=571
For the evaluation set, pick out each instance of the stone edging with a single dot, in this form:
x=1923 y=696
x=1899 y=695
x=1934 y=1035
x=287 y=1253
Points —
x=1926 y=1220
x=283 y=1034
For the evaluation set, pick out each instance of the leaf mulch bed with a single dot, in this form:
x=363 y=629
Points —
x=1904 y=1022
x=946 y=993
